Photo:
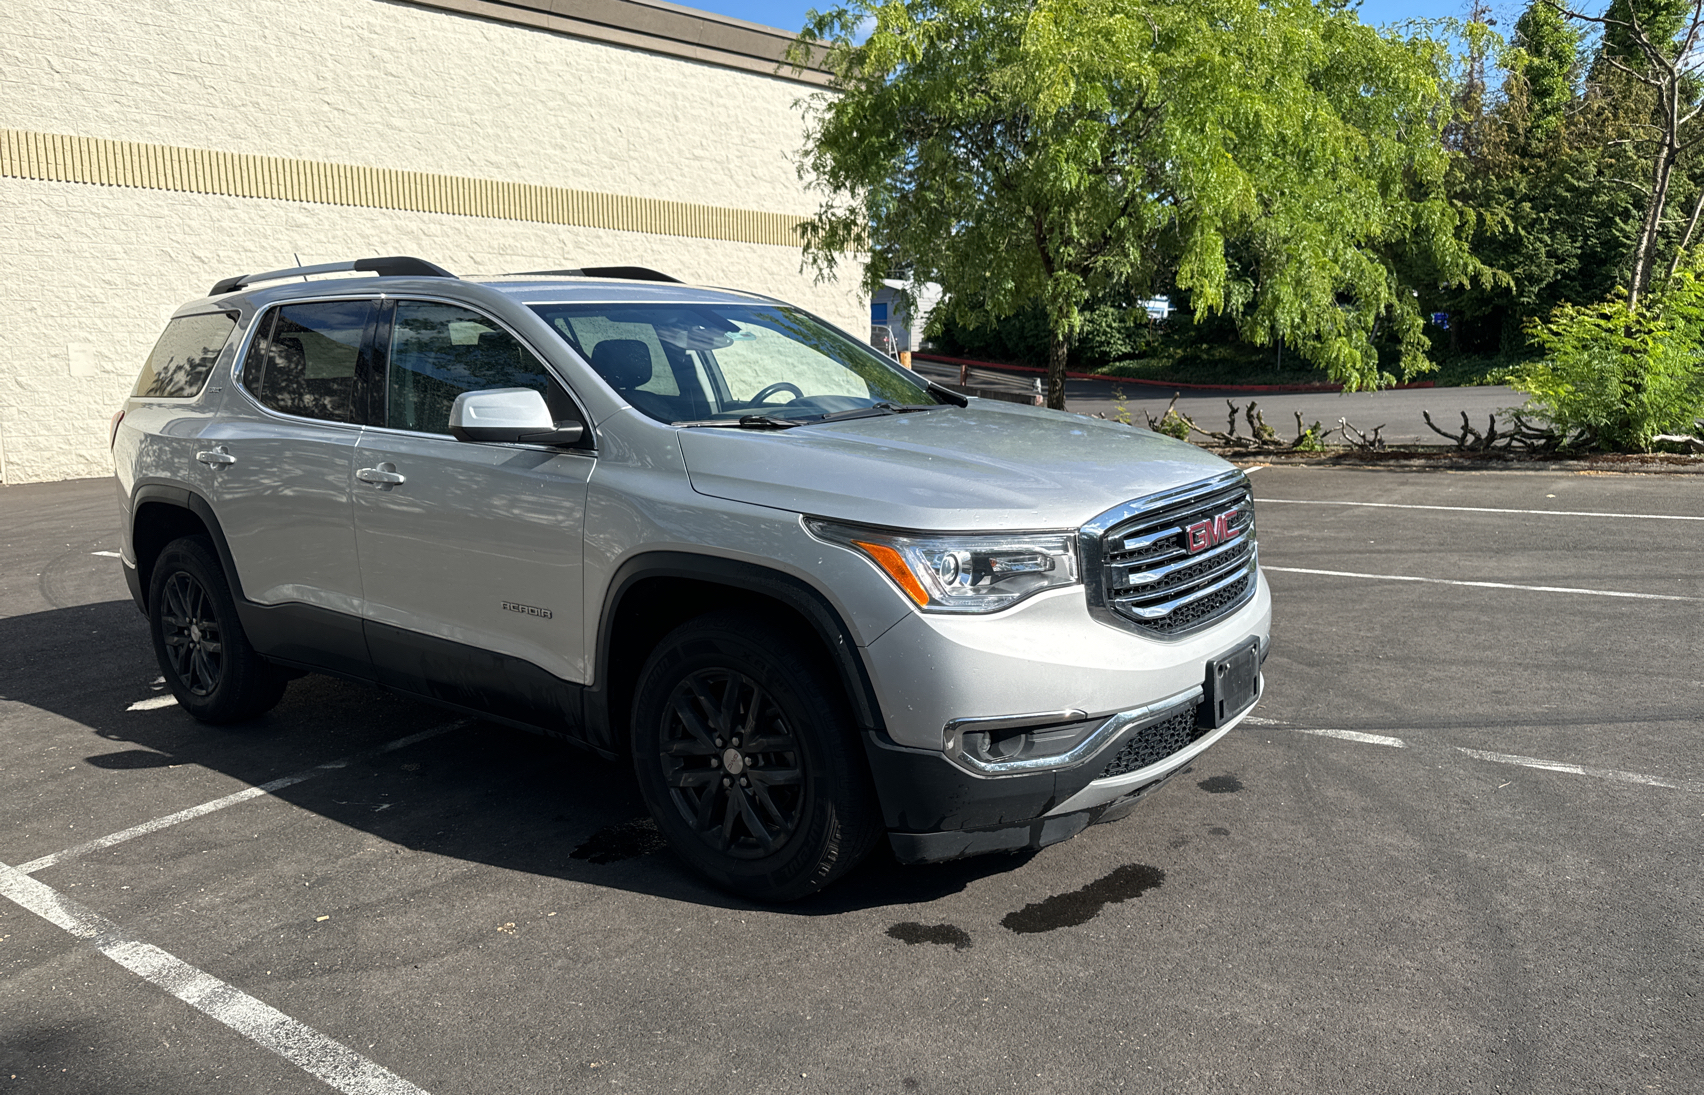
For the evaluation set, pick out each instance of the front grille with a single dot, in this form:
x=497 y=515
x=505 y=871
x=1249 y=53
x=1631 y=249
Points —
x=1154 y=743
x=1173 y=562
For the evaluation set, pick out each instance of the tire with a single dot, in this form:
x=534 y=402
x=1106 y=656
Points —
x=785 y=813
x=203 y=653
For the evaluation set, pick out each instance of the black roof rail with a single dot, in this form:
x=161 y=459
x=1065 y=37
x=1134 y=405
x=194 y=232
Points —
x=392 y=266
x=630 y=273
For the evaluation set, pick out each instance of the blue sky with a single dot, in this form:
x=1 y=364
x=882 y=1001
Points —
x=790 y=16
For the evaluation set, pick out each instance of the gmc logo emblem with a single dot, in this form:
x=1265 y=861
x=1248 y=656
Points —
x=1210 y=533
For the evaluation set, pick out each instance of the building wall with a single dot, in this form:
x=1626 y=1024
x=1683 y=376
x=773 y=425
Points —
x=371 y=89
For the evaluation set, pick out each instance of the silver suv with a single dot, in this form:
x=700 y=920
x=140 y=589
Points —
x=814 y=598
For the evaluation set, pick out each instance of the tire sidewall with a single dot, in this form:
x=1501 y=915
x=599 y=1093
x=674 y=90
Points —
x=835 y=790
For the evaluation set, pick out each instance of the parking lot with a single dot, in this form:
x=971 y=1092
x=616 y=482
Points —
x=1456 y=851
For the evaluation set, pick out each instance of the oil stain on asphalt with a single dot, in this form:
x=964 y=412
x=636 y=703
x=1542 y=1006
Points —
x=1067 y=910
x=1221 y=785
x=628 y=840
x=912 y=933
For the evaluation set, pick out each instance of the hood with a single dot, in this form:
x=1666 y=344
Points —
x=986 y=466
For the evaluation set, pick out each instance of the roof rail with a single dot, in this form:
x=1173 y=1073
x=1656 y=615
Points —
x=630 y=273
x=393 y=266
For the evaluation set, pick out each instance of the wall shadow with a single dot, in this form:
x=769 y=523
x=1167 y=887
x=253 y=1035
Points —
x=483 y=793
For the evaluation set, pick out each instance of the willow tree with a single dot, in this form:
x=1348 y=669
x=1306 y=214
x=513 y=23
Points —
x=1265 y=157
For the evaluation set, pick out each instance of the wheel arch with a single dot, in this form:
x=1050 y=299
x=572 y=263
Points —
x=651 y=594
x=161 y=513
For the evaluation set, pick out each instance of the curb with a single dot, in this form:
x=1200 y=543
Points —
x=1121 y=380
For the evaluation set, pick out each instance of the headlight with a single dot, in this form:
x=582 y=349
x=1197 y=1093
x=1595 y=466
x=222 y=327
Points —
x=962 y=573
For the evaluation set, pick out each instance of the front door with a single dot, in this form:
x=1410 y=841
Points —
x=470 y=553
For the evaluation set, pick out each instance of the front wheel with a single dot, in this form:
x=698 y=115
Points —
x=747 y=761
x=203 y=652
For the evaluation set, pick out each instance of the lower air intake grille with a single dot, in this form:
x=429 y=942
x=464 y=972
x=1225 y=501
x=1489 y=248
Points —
x=1154 y=743
x=1173 y=562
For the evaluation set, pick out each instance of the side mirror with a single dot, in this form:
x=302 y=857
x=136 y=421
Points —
x=509 y=415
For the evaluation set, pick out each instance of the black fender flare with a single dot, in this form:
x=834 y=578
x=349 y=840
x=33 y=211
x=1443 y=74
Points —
x=183 y=498
x=734 y=574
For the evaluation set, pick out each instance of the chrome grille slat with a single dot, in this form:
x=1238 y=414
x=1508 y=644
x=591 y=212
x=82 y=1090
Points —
x=1140 y=574
x=1129 y=571
x=1132 y=533
x=1166 y=608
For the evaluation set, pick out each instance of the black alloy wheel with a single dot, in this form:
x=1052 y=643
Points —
x=204 y=655
x=747 y=759
x=192 y=635
x=733 y=766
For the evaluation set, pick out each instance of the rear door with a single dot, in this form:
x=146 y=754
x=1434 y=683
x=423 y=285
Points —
x=281 y=452
x=470 y=553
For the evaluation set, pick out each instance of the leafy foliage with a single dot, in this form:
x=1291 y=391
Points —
x=1264 y=157
x=1110 y=331
x=1614 y=377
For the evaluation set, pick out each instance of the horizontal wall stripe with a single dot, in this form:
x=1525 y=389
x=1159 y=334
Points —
x=57 y=157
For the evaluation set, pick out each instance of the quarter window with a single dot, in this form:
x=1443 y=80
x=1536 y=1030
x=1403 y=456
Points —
x=438 y=351
x=309 y=364
x=184 y=356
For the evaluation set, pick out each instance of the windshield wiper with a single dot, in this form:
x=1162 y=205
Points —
x=750 y=422
x=772 y=422
x=876 y=410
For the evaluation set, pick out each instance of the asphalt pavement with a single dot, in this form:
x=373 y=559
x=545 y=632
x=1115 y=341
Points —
x=1399 y=411
x=1457 y=853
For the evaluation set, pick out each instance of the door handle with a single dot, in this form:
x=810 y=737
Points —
x=385 y=475
x=215 y=458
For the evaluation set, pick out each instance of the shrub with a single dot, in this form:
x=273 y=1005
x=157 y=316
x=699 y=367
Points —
x=1611 y=378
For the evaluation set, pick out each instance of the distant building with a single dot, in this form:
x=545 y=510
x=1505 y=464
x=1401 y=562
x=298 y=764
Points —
x=888 y=309
x=148 y=150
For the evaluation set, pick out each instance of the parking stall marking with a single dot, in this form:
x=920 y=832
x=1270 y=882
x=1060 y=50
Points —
x=1614 y=774
x=244 y=795
x=327 y=1060
x=1486 y=585
x=1345 y=735
x=1583 y=770
x=1478 y=509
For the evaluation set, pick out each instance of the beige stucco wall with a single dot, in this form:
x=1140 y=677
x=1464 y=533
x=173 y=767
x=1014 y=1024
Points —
x=91 y=270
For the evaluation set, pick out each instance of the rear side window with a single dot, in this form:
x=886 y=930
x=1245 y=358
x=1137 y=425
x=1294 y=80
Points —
x=306 y=359
x=183 y=358
x=438 y=351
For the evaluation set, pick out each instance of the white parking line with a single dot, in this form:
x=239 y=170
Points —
x=1485 y=585
x=1498 y=758
x=244 y=795
x=107 y=554
x=333 y=1062
x=1584 y=770
x=1356 y=735
x=153 y=703
x=1476 y=509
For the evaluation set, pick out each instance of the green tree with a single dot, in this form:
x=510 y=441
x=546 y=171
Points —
x=1650 y=60
x=1263 y=156
x=1550 y=46
x=1614 y=377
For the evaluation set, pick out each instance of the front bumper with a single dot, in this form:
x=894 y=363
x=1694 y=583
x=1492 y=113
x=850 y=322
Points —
x=936 y=810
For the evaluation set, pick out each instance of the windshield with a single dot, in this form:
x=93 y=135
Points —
x=715 y=364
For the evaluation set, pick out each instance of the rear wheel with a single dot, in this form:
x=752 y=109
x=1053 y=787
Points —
x=203 y=653
x=747 y=761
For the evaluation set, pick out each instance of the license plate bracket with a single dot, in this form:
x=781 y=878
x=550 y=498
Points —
x=1233 y=683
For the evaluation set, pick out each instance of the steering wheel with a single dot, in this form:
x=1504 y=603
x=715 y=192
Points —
x=778 y=386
